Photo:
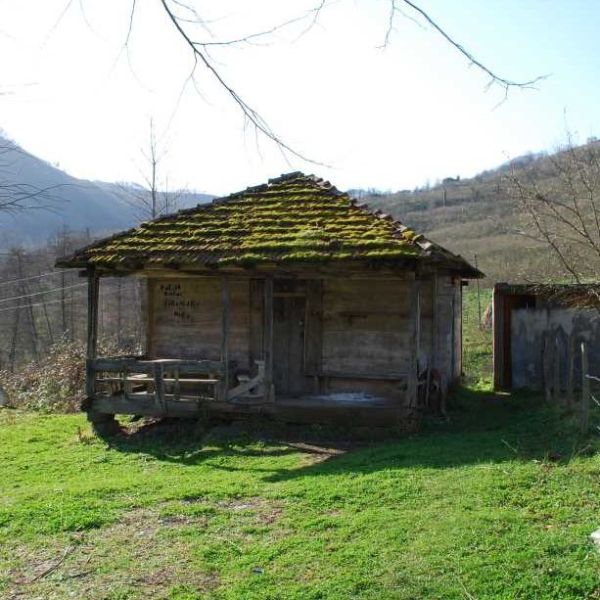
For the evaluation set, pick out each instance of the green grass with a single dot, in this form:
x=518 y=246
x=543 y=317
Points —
x=469 y=509
x=477 y=340
x=497 y=502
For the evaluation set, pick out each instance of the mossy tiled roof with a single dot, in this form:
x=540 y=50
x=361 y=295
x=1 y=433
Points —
x=292 y=219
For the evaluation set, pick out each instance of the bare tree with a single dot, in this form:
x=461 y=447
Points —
x=561 y=208
x=155 y=198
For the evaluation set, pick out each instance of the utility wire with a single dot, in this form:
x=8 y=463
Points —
x=31 y=305
x=58 y=289
x=28 y=278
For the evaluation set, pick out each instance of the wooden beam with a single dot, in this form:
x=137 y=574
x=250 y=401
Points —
x=268 y=339
x=434 y=336
x=225 y=322
x=92 y=330
x=414 y=325
x=313 y=330
x=571 y=370
x=498 y=338
x=256 y=322
x=92 y=316
x=150 y=290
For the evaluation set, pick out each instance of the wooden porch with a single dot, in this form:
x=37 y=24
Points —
x=194 y=389
x=285 y=321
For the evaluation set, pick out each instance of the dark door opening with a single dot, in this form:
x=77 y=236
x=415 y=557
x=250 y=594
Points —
x=512 y=302
x=289 y=309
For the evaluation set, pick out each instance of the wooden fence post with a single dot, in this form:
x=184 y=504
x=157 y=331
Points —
x=585 y=390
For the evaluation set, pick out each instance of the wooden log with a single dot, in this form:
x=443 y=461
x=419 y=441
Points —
x=268 y=339
x=585 y=390
x=571 y=370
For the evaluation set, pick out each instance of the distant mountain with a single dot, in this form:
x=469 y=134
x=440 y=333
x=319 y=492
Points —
x=77 y=204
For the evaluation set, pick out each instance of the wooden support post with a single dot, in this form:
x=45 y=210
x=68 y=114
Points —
x=225 y=335
x=102 y=423
x=547 y=368
x=256 y=322
x=571 y=370
x=313 y=329
x=92 y=330
x=434 y=325
x=412 y=388
x=159 y=389
x=268 y=340
x=177 y=387
x=498 y=341
x=556 y=372
x=585 y=390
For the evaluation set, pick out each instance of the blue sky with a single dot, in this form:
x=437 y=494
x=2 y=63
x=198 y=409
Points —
x=387 y=118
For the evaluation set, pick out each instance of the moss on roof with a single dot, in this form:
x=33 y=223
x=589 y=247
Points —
x=293 y=218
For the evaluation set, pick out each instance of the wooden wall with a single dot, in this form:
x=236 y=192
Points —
x=366 y=327
x=363 y=327
x=446 y=321
x=185 y=317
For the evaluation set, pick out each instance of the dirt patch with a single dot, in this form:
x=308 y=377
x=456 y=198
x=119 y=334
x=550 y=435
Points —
x=126 y=558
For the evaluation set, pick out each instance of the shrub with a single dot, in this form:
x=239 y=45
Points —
x=55 y=383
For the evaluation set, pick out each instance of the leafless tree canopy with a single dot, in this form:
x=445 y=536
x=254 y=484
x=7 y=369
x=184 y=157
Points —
x=561 y=208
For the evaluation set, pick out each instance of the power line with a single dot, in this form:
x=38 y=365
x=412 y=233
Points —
x=31 y=305
x=32 y=277
x=58 y=289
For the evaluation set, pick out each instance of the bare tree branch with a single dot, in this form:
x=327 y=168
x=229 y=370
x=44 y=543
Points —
x=505 y=83
x=249 y=113
x=561 y=204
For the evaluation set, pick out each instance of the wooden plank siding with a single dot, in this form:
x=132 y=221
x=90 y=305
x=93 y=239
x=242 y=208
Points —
x=186 y=319
x=366 y=327
x=359 y=334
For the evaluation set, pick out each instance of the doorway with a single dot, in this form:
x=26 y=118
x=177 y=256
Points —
x=289 y=311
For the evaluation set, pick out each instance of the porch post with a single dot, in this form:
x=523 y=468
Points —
x=92 y=328
x=92 y=316
x=269 y=395
x=225 y=334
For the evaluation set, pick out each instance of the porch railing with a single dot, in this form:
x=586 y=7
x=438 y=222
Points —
x=160 y=380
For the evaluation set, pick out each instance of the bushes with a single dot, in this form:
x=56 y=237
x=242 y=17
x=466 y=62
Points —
x=56 y=383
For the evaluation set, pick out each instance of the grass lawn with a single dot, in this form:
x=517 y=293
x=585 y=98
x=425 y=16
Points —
x=497 y=503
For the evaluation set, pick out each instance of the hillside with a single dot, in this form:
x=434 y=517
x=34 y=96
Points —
x=77 y=204
x=476 y=216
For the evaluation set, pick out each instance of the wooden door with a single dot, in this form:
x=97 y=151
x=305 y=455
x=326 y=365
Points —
x=288 y=344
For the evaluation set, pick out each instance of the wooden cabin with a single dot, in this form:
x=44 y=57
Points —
x=289 y=300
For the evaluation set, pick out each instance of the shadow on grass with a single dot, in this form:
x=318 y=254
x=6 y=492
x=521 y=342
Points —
x=482 y=428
